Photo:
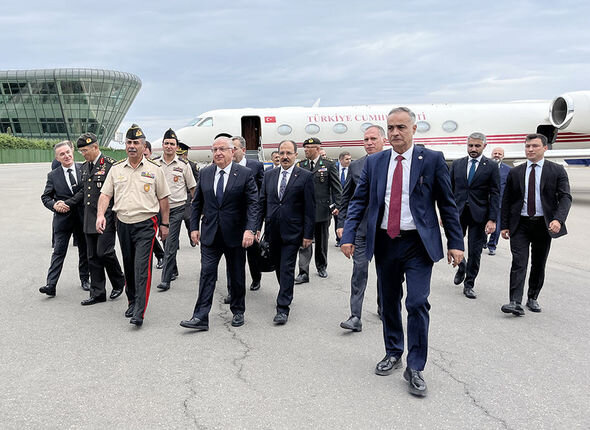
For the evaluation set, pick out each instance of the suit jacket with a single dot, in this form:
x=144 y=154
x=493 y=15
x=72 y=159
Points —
x=257 y=170
x=328 y=189
x=293 y=217
x=555 y=196
x=89 y=192
x=56 y=188
x=238 y=211
x=354 y=175
x=429 y=182
x=483 y=194
x=504 y=169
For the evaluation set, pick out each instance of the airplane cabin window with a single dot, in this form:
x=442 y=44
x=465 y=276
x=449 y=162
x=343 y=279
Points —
x=207 y=122
x=284 y=129
x=365 y=125
x=422 y=126
x=312 y=129
x=340 y=128
x=194 y=122
x=449 y=126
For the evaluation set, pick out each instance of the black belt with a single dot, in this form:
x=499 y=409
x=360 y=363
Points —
x=404 y=233
x=531 y=218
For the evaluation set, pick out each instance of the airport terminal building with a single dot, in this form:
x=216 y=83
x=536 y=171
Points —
x=64 y=103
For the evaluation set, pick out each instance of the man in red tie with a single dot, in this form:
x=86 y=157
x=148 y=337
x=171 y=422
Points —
x=398 y=190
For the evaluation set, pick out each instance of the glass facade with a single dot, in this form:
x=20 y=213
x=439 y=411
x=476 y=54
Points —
x=64 y=103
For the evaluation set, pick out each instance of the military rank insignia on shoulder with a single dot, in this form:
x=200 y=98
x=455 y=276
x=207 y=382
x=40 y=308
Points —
x=183 y=160
x=153 y=162
x=119 y=162
x=110 y=160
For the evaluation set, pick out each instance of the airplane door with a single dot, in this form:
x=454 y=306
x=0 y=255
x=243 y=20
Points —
x=251 y=132
x=549 y=132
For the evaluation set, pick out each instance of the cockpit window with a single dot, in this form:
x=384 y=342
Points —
x=194 y=121
x=207 y=122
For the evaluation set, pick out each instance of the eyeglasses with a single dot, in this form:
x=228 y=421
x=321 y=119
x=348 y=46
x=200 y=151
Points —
x=220 y=149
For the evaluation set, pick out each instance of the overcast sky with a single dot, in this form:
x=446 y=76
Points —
x=193 y=57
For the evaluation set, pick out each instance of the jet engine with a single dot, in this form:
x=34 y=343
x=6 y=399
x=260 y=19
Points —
x=571 y=112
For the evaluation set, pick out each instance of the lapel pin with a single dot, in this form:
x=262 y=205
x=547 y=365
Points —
x=419 y=157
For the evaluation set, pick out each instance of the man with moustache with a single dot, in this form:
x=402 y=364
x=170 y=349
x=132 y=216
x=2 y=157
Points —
x=140 y=192
x=373 y=141
x=227 y=199
x=475 y=180
x=398 y=190
x=62 y=183
x=100 y=247
x=287 y=207
x=498 y=156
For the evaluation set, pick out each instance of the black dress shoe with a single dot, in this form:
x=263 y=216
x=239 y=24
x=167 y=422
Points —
x=174 y=276
x=417 y=385
x=255 y=286
x=85 y=284
x=322 y=273
x=513 y=308
x=280 y=318
x=137 y=321
x=237 y=320
x=94 y=300
x=468 y=292
x=160 y=263
x=129 y=311
x=116 y=293
x=193 y=244
x=533 y=305
x=227 y=299
x=302 y=279
x=460 y=275
x=163 y=286
x=195 y=324
x=353 y=323
x=387 y=365
x=48 y=289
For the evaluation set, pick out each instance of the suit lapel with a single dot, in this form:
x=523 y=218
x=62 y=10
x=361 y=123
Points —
x=416 y=167
x=381 y=169
x=521 y=177
x=294 y=176
x=233 y=176
x=483 y=163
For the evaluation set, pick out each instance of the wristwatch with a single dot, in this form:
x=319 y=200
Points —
x=164 y=225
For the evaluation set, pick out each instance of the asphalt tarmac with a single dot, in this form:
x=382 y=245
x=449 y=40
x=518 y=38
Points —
x=67 y=366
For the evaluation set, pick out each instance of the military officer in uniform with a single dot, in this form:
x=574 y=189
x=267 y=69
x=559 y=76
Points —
x=140 y=191
x=328 y=191
x=100 y=247
x=180 y=180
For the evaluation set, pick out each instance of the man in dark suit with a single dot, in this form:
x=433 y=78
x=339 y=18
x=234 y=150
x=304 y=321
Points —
x=182 y=152
x=342 y=167
x=276 y=160
x=397 y=190
x=503 y=168
x=227 y=198
x=535 y=205
x=328 y=191
x=475 y=180
x=100 y=247
x=287 y=207
x=62 y=183
x=373 y=139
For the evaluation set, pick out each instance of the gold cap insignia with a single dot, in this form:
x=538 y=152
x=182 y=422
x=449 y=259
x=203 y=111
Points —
x=138 y=133
x=88 y=140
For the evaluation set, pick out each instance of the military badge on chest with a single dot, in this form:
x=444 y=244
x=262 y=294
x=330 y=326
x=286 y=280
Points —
x=146 y=187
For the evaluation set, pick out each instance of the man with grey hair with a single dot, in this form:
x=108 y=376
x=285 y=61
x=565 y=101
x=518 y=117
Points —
x=475 y=180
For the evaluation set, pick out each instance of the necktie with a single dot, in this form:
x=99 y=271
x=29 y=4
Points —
x=530 y=204
x=72 y=179
x=395 y=200
x=342 y=176
x=219 y=192
x=283 y=185
x=311 y=165
x=91 y=166
x=471 y=171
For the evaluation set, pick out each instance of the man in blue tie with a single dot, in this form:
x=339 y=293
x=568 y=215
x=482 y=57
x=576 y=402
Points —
x=343 y=166
x=398 y=190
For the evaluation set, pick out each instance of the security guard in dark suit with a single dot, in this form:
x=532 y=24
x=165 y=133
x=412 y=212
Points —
x=100 y=247
x=328 y=191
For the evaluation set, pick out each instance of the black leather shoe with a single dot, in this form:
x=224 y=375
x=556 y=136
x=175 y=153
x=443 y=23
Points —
x=237 y=320
x=137 y=321
x=195 y=324
x=193 y=244
x=533 y=305
x=460 y=275
x=116 y=293
x=387 y=365
x=255 y=286
x=48 y=289
x=160 y=263
x=227 y=299
x=302 y=279
x=174 y=276
x=94 y=300
x=129 y=311
x=417 y=385
x=468 y=292
x=85 y=284
x=280 y=318
x=513 y=308
x=352 y=323
x=163 y=286
x=322 y=273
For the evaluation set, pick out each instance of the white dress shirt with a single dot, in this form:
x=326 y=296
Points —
x=67 y=175
x=538 y=206
x=227 y=170
x=406 y=221
x=289 y=171
x=469 y=162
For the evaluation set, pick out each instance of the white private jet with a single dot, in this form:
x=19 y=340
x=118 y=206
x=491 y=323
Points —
x=444 y=127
